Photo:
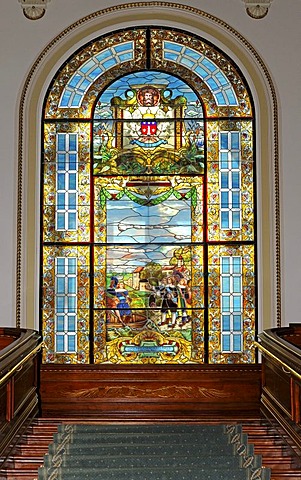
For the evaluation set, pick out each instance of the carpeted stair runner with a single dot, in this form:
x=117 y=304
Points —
x=151 y=452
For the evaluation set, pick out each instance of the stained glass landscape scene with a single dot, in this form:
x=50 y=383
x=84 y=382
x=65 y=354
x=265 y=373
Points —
x=148 y=228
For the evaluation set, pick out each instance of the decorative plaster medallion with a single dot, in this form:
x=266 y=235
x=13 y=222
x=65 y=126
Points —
x=257 y=9
x=34 y=9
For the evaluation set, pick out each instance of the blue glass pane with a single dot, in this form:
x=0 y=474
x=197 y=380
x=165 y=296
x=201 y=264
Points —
x=59 y=343
x=71 y=285
x=224 y=159
x=60 y=221
x=71 y=324
x=235 y=140
x=60 y=285
x=231 y=97
x=225 y=219
x=72 y=181
x=236 y=220
x=61 y=181
x=224 y=141
x=226 y=284
x=237 y=284
x=170 y=56
x=236 y=199
x=95 y=73
x=65 y=99
x=75 y=80
x=235 y=159
x=188 y=63
x=212 y=84
x=87 y=66
x=225 y=265
x=61 y=201
x=172 y=46
x=192 y=53
x=237 y=304
x=84 y=85
x=103 y=55
x=71 y=304
x=124 y=57
x=72 y=161
x=71 y=221
x=209 y=65
x=226 y=323
x=61 y=141
x=124 y=46
x=60 y=323
x=76 y=100
x=109 y=63
x=235 y=179
x=225 y=199
x=72 y=141
x=71 y=200
x=225 y=304
x=221 y=78
x=224 y=180
x=71 y=343
x=236 y=265
x=200 y=71
x=220 y=99
x=237 y=343
x=71 y=265
x=61 y=161
x=60 y=304
x=226 y=342
x=60 y=265
x=237 y=323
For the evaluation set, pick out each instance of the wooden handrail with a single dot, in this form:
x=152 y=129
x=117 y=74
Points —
x=20 y=364
x=284 y=365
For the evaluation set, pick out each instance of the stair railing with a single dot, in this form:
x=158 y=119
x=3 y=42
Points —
x=19 y=401
x=281 y=378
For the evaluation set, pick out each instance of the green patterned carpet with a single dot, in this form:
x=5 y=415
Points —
x=151 y=452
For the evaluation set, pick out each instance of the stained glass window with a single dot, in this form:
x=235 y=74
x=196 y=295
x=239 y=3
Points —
x=148 y=231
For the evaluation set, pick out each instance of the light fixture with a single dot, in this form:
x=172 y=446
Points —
x=257 y=9
x=34 y=9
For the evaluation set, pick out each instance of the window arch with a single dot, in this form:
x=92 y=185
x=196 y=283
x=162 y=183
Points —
x=148 y=233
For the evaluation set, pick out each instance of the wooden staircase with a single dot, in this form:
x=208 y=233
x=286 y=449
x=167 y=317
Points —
x=269 y=442
x=28 y=454
x=273 y=446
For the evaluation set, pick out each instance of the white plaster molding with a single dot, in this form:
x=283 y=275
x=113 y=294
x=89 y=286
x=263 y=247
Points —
x=34 y=9
x=257 y=8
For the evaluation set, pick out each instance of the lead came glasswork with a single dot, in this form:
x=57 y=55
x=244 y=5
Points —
x=148 y=232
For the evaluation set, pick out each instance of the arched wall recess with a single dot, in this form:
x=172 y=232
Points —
x=104 y=21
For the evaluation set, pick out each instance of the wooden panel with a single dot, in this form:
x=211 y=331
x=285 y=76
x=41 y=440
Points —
x=18 y=383
x=281 y=384
x=277 y=384
x=135 y=392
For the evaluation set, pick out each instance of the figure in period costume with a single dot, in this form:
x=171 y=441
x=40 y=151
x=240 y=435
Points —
x=169 y=301
x=182 y=299
x=118 y=296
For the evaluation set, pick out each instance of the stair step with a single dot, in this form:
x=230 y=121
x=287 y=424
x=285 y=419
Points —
x=268 y=443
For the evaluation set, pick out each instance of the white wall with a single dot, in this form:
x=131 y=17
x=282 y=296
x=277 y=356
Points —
x=277 y=39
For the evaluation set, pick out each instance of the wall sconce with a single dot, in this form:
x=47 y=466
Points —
x=257 y=9
x=34 y=9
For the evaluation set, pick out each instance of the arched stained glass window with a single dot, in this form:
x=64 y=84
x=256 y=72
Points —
x=148 y=231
